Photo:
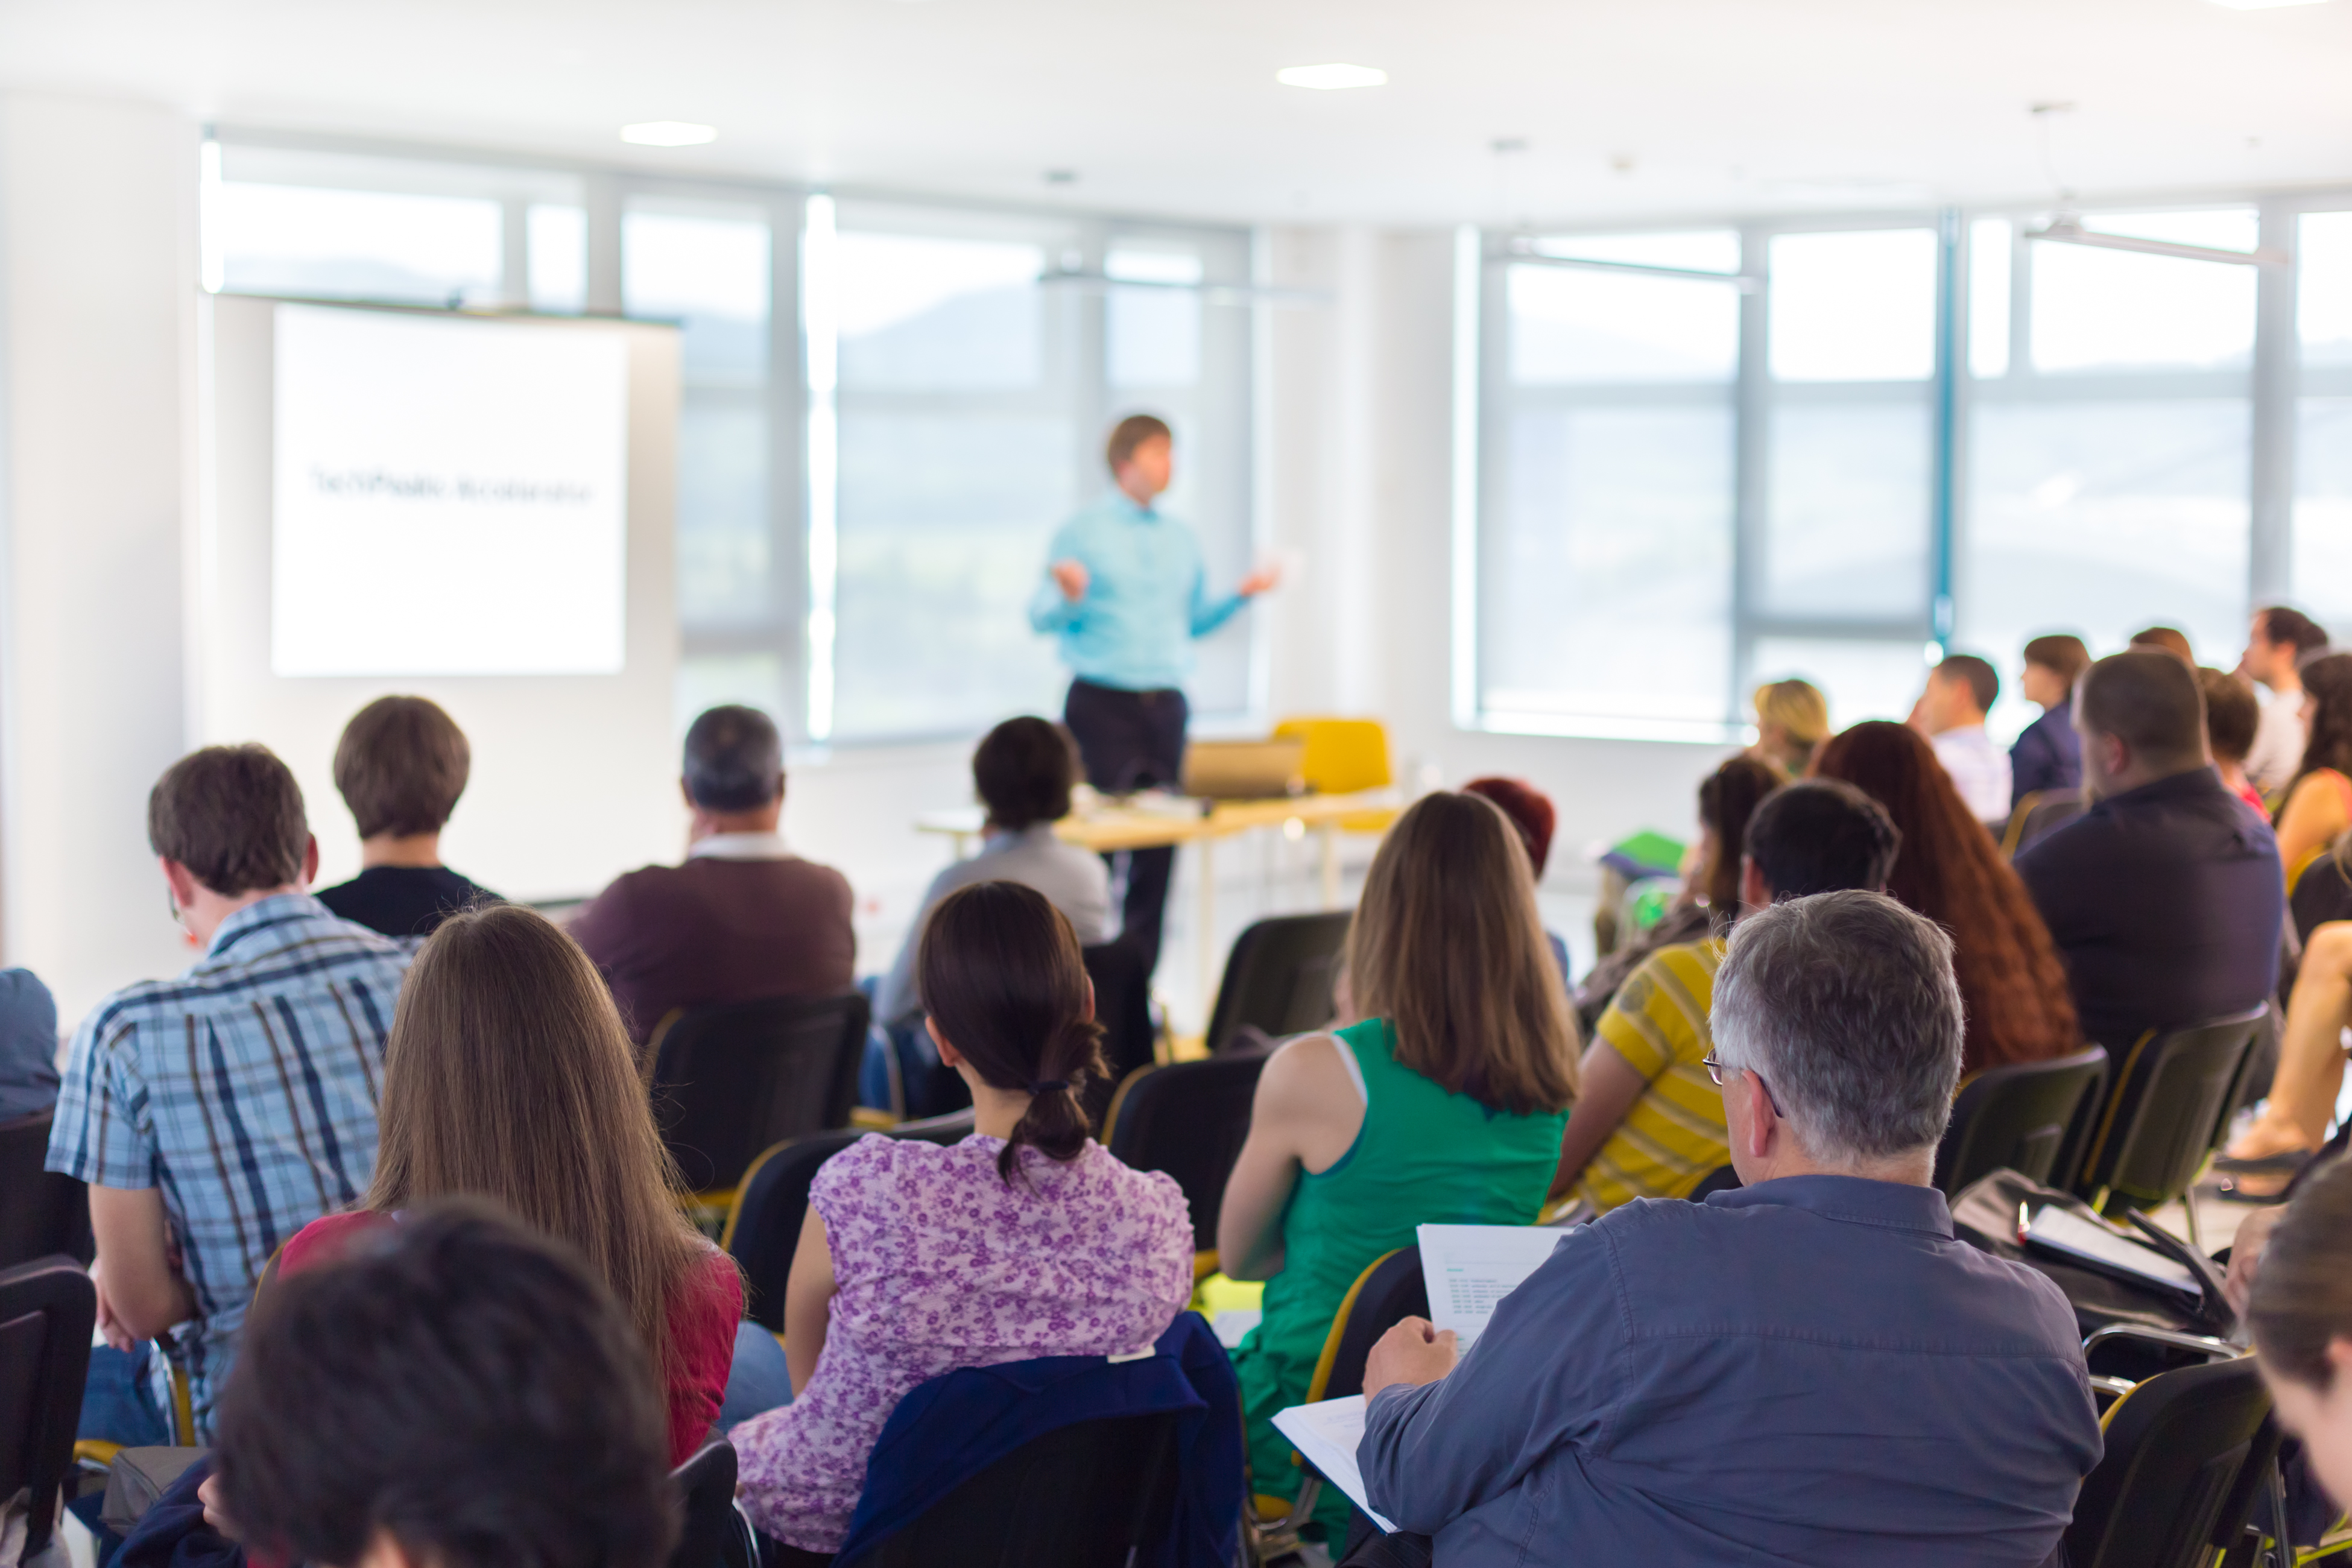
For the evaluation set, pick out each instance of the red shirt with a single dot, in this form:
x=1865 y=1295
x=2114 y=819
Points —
x=701 y=1324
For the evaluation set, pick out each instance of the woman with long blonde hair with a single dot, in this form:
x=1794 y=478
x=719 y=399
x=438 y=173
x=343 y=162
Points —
x=1441 y=1100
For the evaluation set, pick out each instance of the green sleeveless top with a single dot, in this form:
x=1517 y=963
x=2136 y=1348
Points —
x=1423 y=1157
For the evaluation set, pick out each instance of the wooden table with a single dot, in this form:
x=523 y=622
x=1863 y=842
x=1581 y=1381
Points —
x=1113 y=826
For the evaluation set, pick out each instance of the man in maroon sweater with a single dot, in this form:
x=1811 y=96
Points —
x=744 y=918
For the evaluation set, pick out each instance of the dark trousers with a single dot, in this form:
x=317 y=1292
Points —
x=1129 y=740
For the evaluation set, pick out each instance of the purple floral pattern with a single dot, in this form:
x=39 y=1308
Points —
x=939 y=1264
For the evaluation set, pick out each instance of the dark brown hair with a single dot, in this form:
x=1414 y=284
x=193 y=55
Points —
x=2149 y=701
x=734 y=759
x=2061 y=653
x=1948 y=869
x=1727 y=798
x=1448 y=947
x=401 y=766
x=233 y=817
x=1530 y=811
x=508 y=1076
x=2301 y=1297
x=2170 y=639
x=1983 y=681
x=2280 y=624
x=999 y=973
x=1130 y=432
x=2231 y=715
x=1023 y=769
x=2329 y=744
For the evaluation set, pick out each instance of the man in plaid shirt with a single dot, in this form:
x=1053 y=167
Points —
x=217 y=1114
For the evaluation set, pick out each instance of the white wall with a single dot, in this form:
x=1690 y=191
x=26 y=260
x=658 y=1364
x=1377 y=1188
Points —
x=98 y=287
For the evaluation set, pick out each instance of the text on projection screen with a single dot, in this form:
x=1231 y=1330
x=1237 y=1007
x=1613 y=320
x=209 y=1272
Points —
x=450 y=496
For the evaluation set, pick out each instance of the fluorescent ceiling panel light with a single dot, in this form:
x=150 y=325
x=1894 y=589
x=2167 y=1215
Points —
x=2264 y=5
x=668 y=133
x=2067 y=230
x=1332 y=78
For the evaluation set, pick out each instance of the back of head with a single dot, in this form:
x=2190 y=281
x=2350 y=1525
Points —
x=401 y=766
x=1728 y=801
x=2149 y=699
x=2302 y=1301
x=1530 y=811
x=233 y=815
x=464 y=1386
x=734 y=760
x=1000 y=975
x=1846 y=1006
x=1130 y=432
x=2061 y=653
x=1978 y=675
x=2231 y=715
x=1822 y=835
x=1798 y=708
x=2167 y=640
x=1448 y=945
x=508 y=1076
x=2281 y=623
x=1023 y=771
x=2328 y=682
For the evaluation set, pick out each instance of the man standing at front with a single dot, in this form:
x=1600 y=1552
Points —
x=1126 y=591
x=1811 y=1369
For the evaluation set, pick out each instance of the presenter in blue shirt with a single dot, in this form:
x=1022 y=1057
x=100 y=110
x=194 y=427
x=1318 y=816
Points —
x=1126 y=592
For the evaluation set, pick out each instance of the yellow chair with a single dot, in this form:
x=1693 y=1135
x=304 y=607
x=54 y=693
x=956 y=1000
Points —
x=2303 y=862
x=1345 y=757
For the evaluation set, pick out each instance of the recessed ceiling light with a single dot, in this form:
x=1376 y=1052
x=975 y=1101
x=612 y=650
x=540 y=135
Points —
x=668 y=134
x=1332 y=78
x=2264 y=5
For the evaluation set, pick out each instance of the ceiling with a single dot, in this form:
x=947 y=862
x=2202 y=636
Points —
x=1639 y=109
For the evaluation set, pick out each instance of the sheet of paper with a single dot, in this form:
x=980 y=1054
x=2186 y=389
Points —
x=1327 y=1436
x=1469 y=1269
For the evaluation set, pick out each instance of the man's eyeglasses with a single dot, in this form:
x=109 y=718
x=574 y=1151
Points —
x=1719 y=1071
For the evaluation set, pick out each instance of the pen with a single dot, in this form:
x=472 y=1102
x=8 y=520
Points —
x=2024 y=1222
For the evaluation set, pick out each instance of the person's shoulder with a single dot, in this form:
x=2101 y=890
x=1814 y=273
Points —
x=874 y=1160
x=1680 y=975
x=327 y=1238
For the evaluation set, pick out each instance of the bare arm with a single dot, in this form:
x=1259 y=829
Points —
x=1610 y=1086
x=808 y=1303
x=1305 y=1116
x=2312 y=817
x=139 y=1293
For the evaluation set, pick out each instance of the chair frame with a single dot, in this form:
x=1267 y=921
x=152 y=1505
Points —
x=59 y=1289
x=2101 y=1131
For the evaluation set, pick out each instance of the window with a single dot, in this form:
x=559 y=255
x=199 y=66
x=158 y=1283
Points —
x=2322 y=567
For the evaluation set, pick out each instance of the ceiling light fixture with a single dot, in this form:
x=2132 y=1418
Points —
x=2067 y=229
x=1332 y=78
x=2264 y=5
x=668 y=133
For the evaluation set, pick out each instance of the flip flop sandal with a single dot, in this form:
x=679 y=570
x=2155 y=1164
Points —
x=2286 y=1163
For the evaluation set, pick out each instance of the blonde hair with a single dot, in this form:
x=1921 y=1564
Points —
x=1448 y=947
x=1797 y=707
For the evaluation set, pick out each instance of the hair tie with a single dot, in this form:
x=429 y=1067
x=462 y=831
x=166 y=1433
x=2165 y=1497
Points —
x=1049 y=1086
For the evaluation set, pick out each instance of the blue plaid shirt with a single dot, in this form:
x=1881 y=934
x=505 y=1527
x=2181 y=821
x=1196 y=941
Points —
x=246 y=1089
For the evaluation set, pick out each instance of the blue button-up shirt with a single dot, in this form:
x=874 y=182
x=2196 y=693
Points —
x=1147 y=597
x=1811 y=1371
x=244 y=1091
x=2047 y=756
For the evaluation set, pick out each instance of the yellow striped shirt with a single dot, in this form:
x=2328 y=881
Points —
x=1673 y=1133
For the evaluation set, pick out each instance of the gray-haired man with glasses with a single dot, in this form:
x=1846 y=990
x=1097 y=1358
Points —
x=1811 y=1369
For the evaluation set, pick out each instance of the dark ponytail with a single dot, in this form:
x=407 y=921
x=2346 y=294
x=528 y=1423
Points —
x=1000 y=972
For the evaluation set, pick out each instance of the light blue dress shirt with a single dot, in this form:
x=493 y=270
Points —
x=1147 y=597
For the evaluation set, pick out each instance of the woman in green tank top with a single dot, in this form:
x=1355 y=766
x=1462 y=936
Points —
x=1444 y=1105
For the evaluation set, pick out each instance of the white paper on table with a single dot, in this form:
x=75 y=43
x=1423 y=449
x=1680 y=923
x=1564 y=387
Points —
x=1326 y=1435
x=1469 y=1269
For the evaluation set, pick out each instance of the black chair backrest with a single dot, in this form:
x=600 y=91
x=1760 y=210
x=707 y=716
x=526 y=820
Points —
x=42 y=1213
x=2051 y=810
x=712 y=1533
x=1187 y=1118
x=2167 y=1106
x=2016 y=1116
x=730 y=1080
x=1123 y=1007
x=773 y=1203
x=2175 y=1445
x=1093 y=1494
x=1722 y=1179
x=1393 y=1291
x=47 y=1311
x=1279 y=976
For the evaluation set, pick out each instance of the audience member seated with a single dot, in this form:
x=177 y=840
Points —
x=2292 y=1120
x=2164 y=898
x=1027 y=1239
x=1951 y=713
x=2317 y=807
x=1791 y=719
x=28 y=1045
x=215 y=1114
x=1531 y=812
x=1728 y=799
x=744 y=918
x=1811 y=1369
x=462 y=1394
x=400 y=767
x=1951 y=871
x=2165 y=639
x=1649 y=1119
x=2232 y=717
x=1023 y=772
x=2048 y=755
x=508 y=1077
x=2292 y=1276
x=1444 y=1105
x=2278 y=644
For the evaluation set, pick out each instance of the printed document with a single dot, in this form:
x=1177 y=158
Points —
x=1326 y=1435
x=1470 y=1268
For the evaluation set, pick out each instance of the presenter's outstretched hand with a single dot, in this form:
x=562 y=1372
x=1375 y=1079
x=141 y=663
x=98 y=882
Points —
x=1259 y=581
x=1072 y=577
